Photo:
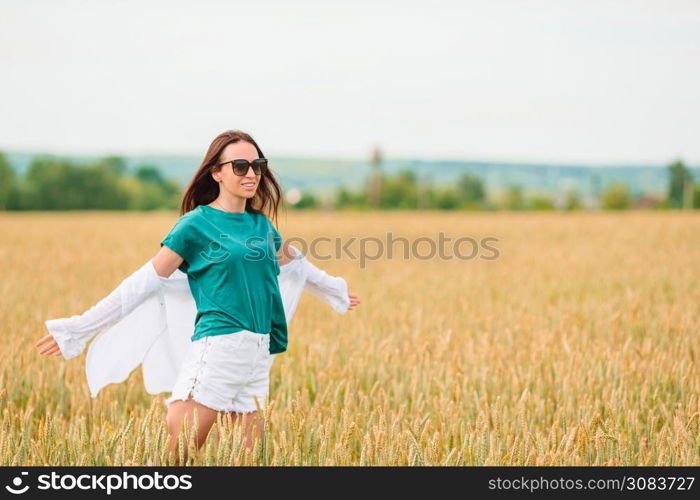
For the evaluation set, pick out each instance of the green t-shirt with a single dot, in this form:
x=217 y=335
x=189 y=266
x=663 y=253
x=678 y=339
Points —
x=232 y=272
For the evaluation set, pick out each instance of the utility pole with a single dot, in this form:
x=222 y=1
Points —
x=375 y=178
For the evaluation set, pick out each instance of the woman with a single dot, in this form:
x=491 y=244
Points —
x=223 y=241
x=156 y=335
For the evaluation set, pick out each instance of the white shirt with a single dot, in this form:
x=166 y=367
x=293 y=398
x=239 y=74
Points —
x=156 y=334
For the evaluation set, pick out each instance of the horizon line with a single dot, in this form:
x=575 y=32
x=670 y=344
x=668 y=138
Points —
x=341 y=157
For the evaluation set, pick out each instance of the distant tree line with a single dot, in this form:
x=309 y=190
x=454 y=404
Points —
x=52 y=183
x=55 y=184
x=404 y=191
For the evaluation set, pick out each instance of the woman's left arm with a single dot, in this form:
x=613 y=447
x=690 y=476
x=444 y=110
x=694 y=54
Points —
x=332 y=289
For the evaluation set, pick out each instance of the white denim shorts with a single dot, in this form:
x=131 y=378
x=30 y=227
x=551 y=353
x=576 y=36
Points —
x=226 y=372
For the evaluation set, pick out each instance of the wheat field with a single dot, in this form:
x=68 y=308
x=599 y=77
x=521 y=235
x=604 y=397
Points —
x=578 y=345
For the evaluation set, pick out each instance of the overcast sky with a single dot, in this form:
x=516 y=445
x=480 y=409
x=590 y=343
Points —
x=564 y=81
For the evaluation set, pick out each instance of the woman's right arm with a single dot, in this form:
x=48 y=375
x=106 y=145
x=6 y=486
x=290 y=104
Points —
x=166 y=261
x=68 y=336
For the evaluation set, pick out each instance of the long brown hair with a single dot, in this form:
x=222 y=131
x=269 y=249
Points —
x=203 y=189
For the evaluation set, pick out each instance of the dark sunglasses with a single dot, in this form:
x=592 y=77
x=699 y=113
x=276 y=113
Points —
x=240 y=167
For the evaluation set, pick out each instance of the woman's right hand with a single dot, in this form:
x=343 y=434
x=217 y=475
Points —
x=48 y=346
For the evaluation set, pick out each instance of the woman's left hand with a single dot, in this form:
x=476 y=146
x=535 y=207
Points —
x=354 y=300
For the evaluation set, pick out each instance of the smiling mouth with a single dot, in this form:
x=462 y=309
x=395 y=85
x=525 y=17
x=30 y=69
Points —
x=248 y=184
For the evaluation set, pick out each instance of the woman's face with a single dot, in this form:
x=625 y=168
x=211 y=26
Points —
x=243 y=186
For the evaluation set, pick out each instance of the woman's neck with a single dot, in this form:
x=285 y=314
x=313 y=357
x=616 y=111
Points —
x=235 y=205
